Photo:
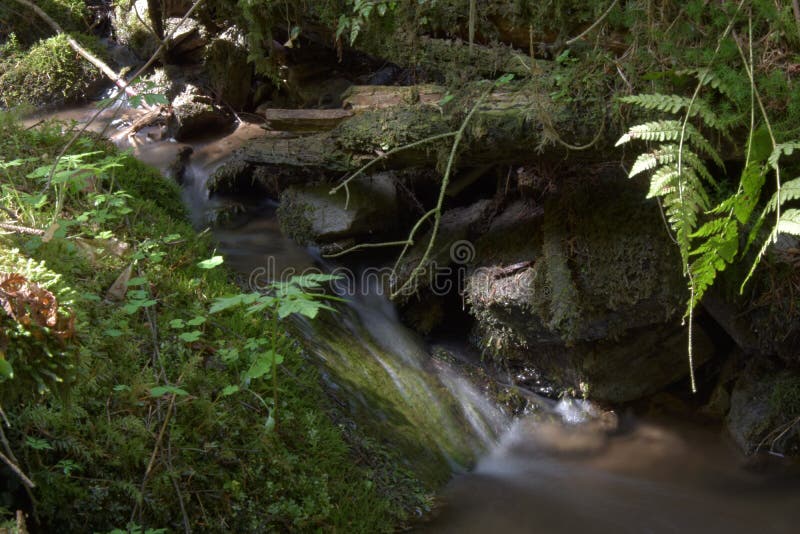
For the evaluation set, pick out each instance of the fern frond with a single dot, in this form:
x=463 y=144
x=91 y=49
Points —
x=782 y=149
x=789 y=191
x=675 y=103
x=789 y=223
x=670 y=130
x=707 y=78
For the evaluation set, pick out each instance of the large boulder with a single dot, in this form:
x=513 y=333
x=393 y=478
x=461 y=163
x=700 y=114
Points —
x=231 y=74
x=765 y=410
x=311 y=215
x=132 y=30
x=587 y=291
x=196 y=116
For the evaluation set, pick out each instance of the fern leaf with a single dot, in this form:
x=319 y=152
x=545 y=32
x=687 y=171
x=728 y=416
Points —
x=670 y=130
x=789 y=191
x=675 y=103
x=663 y=181
x=789 y=223
x=660 y=131
x=782 y=149
x=707 y=78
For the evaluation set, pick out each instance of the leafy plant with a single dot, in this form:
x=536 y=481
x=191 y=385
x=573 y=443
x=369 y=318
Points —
x=708 y=227
x=300 y=295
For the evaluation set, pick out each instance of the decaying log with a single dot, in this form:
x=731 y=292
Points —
x=368 y=97
x=305 y=120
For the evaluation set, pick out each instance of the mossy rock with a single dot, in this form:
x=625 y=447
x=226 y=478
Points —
x=51 y=73
x=765 y=406
x=311 y=215
x=71 y=15
x=589 y=291
x=231 y=74
x=130 y=30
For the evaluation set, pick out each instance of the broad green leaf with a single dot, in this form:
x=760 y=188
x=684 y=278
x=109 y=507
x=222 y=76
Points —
x=160 y=391
x=211 y=262
x=6 y=370
x=197 y=321
x=191 y=337
x=229 y=390
x=223 y=303
x=263 y=364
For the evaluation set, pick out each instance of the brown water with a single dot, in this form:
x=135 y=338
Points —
x=550 y=476
x=556 y=471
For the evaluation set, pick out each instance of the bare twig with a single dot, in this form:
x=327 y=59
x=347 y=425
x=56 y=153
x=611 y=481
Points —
x=112 y=101
x=154 y=455
x=27 y=482
x=88 y=56
x=593 y=26
x=20 y=229
x=437 y=211
x=382 y=157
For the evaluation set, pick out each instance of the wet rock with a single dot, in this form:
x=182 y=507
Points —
x=230 y=72
x=196 y=116
x=765 y=410
x=131 y=30
x=188 y=41
x=751 y=319
x=588 y=291
x=451 y=246
x=311 y=215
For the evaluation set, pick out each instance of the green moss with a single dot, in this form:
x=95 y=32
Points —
x=131 y=32
x=785 y=397
x=71 y=15
x=88 y=451
x=50 y=72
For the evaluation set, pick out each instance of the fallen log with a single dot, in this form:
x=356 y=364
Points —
x=305 y=120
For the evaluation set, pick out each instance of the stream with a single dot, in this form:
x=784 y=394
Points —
x=561 y=467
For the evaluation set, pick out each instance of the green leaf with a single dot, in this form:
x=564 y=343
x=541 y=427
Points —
x=160 y=391
x=177 y=324
x=263 y=364
x=197 y=321
x=229 y=390
x=38 y=444
x=137 y=281
x=112 y=332
x=121 y=387
x=211 y=262
x=6 y=370
x=190 y=337
x=224 y=303
x=154 y=99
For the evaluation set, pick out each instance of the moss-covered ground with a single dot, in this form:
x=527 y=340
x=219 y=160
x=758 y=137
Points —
x=85 y=423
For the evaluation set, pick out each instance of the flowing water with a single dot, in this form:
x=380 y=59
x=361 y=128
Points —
x=563 y=467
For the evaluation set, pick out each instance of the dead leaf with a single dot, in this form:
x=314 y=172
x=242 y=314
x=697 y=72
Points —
x=29 y=304
x=120 y=286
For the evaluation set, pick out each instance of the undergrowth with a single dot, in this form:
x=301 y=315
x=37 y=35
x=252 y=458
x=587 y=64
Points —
x=143 y=426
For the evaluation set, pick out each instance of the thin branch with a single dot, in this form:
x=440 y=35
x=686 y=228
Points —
x=593 y=26
x=27 y=482
x=366 y=245
x=382 y=157
x=154 y=455
x=438 y=209
x=88 y=56
x=112 y=101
